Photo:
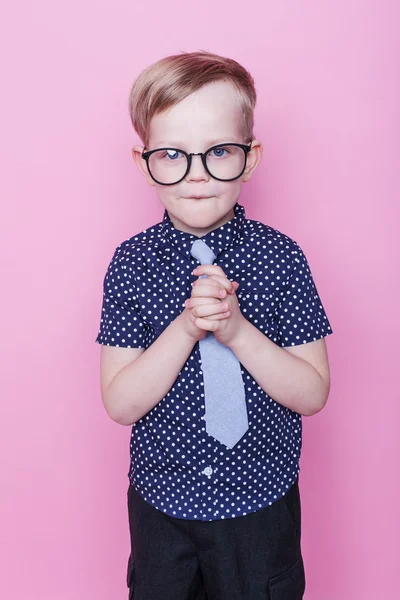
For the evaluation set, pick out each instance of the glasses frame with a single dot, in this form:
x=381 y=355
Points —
x=245 y=147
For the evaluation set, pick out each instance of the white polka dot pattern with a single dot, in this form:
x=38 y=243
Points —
x=175 y=465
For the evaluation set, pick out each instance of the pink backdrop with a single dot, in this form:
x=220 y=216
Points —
x=328 y=116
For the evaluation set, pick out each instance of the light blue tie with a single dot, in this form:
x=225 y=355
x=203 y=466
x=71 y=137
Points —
x=225 y=399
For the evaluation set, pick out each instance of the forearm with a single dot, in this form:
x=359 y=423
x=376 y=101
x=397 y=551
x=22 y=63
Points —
x=141 y=384
x=287 y=379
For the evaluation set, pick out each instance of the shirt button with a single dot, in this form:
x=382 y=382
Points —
x=208 y=471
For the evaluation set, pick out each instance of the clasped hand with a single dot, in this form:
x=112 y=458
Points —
x=214 y=305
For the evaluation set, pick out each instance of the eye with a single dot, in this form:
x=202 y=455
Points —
x=171 y=154
x=219 y=152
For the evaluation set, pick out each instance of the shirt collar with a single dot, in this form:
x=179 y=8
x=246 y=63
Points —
x=226 y=236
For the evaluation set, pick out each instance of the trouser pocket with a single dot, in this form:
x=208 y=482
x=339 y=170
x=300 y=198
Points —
x=289 y=585
x=130 y=577
x=292 y=505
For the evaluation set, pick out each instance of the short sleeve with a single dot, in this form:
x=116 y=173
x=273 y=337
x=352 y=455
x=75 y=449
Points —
x=121 y=323
x=300 y=315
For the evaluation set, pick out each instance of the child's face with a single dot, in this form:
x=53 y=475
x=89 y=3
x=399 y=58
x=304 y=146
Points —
x=209 y=116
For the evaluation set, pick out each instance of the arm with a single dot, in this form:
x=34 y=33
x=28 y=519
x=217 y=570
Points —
x=130 y=392
x=296 y=377
x=134 y=380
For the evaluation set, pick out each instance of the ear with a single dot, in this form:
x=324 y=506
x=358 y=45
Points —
x=253 y=158
x=141 y=163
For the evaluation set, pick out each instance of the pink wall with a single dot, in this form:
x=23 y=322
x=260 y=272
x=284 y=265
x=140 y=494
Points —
x=328 y=116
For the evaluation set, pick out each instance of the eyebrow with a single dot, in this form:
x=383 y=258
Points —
x=179 y=144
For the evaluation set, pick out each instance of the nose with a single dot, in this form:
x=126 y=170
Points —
x=197 y=171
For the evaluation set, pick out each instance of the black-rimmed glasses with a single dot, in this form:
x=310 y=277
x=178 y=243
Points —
x=225 y=162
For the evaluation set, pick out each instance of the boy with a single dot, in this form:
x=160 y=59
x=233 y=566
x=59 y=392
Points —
x=210 y=516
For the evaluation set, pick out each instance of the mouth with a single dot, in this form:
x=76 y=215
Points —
x=198 y=197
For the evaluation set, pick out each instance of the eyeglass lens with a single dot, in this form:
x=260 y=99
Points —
x=224 y=162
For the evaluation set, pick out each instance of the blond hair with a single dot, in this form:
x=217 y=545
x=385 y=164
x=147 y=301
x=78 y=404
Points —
x=169 y=80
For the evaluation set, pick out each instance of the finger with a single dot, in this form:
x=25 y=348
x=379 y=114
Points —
x=230 y=286
x=217 y=317
x=223 y=281
x=207 y=324
x=209 y=289
x=206 y=310
x=208 y=270
x=199 y=300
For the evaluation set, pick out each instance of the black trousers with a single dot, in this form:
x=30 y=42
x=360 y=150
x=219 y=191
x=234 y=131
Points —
x=253 y=557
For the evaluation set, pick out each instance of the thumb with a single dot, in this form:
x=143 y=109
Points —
x=235 y=286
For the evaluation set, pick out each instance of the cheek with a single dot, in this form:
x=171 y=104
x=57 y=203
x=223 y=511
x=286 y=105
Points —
x=167 y=193
x=230 y=190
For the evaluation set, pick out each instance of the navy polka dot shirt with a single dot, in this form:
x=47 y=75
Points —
x=174 y=464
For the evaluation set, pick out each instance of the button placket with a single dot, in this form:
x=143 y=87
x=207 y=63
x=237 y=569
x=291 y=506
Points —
x=207 y=474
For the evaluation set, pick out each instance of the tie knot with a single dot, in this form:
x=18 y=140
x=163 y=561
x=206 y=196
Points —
x=202 y=252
